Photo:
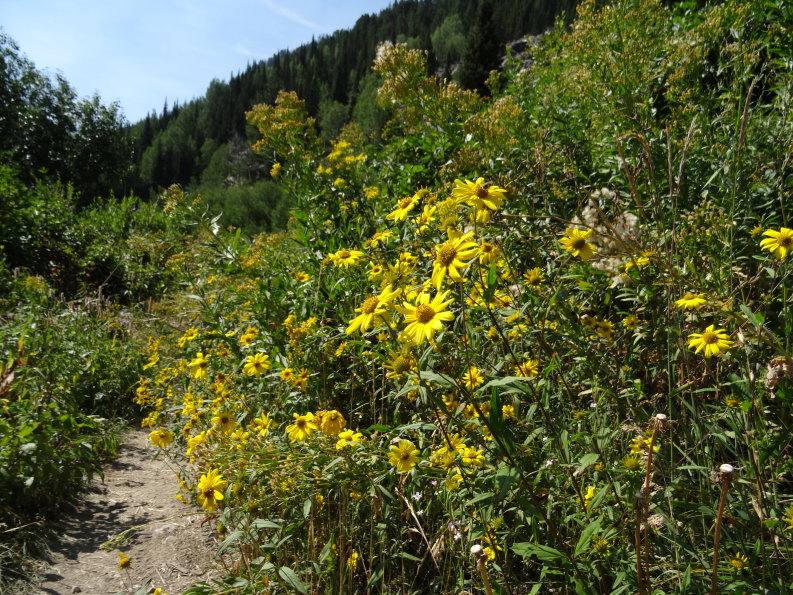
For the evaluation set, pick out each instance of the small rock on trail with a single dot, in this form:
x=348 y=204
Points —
x=135 y=512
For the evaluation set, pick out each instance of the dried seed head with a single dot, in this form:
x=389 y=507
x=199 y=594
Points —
x=478 y=552
x=660 y=422
x=726 y=469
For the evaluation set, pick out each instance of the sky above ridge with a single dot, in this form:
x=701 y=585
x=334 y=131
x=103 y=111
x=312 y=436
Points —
x=144 y=52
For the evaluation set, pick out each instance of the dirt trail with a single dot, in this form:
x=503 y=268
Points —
x=134 y=509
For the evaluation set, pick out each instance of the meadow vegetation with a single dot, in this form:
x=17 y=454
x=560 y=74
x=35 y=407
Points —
x=533 y=342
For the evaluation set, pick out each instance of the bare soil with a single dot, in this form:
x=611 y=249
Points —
x=134 y=511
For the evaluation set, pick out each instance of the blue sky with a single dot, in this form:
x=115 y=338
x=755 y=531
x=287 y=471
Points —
x=140 y=52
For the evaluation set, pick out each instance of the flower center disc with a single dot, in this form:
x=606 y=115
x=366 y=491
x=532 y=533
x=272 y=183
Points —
x=579 y=244
x=370 y=305
x=424 y=313
x=344 y=254
x=481 y=192
x=709 y=338
x=446 y=255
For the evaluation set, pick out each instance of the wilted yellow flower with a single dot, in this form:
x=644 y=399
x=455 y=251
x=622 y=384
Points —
x=739 y=562
x=199 y=365
x=161 y=438
x=124 y=563
x=401 y=363
x=604 y=329
x=330 y=422
x=632 y=464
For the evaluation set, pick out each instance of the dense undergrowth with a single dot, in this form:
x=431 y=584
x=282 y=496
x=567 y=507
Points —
x=552 y=325
x=76 y=305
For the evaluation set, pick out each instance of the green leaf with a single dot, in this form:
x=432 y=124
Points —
x=231 y=538
x=481 y=498
x=543 y=552
x=436 y=378
x=505 y=477
x=492 y=285
x=290 y=578
x=586 y=537
x=264 y=524
x=587 y=460
x=756 y=319
x=386 y=493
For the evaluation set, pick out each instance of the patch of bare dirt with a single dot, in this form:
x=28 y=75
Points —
x=134 y=511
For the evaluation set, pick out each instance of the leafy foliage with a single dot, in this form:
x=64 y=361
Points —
x=552 y=324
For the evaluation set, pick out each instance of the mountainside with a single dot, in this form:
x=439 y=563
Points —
x=206 y=141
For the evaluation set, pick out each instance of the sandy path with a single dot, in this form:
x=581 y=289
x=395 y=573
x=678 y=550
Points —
x=134 y=507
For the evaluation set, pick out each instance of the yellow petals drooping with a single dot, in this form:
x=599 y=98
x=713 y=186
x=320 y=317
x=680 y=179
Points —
x=691 y=301
x=576 y=243
x=482 y=196
x=124 y=563
x=779 y=242
x=199 y=365
x=451 y=256
x=161 y=438
x=713 y=341
x=372 y=310
x=330 y=422
x=425 y=317
x=404 y=206
x=404 y=456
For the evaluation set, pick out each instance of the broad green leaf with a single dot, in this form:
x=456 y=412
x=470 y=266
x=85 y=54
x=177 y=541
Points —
x=290 y=578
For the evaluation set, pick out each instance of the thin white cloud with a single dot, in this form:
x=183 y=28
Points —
x=290 y=15
x=250 y=53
